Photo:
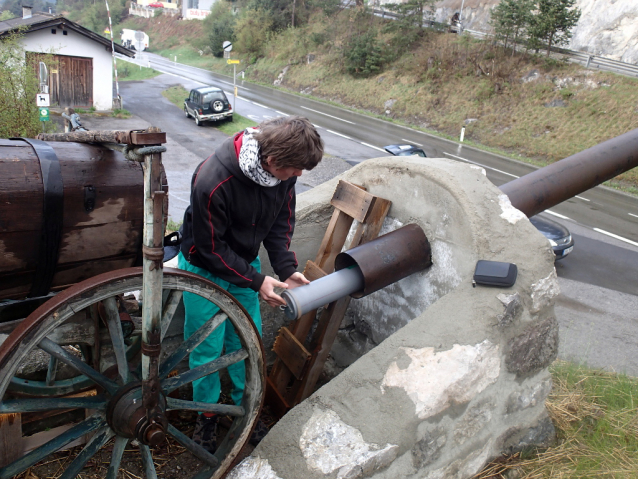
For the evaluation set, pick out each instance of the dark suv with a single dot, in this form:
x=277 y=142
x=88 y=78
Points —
x=208 y=103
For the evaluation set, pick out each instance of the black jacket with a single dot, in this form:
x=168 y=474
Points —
x=230 y=216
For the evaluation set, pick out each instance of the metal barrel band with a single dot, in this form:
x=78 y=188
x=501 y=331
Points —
x=52 y=215
x=153 y=254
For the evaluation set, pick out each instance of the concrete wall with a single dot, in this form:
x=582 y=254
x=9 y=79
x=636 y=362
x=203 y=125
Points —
x=460 y=373
x=76 y=45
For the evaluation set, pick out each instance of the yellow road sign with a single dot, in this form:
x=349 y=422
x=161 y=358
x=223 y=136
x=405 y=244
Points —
x=230 y=62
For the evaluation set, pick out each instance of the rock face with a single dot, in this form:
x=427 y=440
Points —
x=442 y=376
x=606 y=28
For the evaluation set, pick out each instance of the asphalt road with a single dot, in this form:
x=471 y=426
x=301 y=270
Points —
x=604 y=266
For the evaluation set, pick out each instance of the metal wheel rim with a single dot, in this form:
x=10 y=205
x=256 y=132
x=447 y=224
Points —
x=53 y=313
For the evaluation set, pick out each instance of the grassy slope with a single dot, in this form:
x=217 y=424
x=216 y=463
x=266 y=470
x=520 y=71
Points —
x=445 y=83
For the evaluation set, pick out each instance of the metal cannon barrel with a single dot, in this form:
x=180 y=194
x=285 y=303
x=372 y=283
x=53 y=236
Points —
x=555 y=183
x=68 y=211
x=364 y=270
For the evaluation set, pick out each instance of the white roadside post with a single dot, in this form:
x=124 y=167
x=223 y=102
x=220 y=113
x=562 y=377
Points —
x=462 y=133
x=228 y=46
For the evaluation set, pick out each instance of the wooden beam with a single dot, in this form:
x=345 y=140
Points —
x=290 y=350
x=11 y=445
x=352 y=200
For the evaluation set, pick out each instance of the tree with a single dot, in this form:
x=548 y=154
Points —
x=511 y=19
x=363 y=54
x=252 y=30
x=220 y=24
x=19 y=86
x=553 y=21
x=408 y=26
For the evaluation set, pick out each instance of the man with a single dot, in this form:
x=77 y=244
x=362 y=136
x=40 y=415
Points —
x=242 y=196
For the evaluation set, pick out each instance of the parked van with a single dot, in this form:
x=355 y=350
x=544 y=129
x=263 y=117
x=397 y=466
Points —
x=129 y=39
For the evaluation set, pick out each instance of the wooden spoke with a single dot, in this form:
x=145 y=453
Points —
x=96 y=443
x=173 y=300
x=147 y=461
x=117 y=337
x=210 y=367
x=116 y=457
x=56 y=350
x=221 y=409
x=195 y=449
x=191 y=343
x=51 y=404
x=51 y=371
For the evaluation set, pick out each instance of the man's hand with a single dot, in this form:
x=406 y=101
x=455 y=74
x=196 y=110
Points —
x=267 y=291
x=295 y=280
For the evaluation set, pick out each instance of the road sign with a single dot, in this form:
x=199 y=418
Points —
x=230 y=62
x=42 y=99
x=44 y=114
x=227 y=46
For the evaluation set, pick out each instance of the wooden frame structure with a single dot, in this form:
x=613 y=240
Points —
x=300 y=359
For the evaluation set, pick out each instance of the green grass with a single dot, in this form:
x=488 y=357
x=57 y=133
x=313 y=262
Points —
x=596 y=418
x=127 y=71
x=177 y=94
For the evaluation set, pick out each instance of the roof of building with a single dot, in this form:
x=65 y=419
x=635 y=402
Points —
x=39 y=21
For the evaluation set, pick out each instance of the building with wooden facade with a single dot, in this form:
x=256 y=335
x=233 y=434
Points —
x=81 y=62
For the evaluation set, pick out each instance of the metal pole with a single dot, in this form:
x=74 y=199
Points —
x=555 y=183
x=234 y=86
x=461 y=17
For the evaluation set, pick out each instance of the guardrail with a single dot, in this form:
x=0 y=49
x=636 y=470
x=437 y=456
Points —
x=593 y=62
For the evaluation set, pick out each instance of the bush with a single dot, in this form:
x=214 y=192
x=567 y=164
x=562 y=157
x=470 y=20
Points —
x=363 y=54
x=220 y=24
x=252 y=32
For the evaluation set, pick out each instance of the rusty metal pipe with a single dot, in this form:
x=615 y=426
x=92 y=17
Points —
x=555 y=183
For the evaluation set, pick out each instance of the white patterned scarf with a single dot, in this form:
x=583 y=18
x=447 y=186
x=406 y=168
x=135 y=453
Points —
x=250 y=161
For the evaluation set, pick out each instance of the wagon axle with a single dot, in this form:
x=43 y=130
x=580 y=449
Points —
x=127 y=416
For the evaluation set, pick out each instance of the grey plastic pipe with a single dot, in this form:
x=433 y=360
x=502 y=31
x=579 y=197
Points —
x=322 y=291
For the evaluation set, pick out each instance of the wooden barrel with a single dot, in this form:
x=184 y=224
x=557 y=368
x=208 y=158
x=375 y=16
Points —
x=68 y=211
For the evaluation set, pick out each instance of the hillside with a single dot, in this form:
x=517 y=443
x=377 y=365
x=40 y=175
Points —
x=528 y=107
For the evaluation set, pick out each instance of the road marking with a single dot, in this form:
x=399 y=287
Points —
x=322 y=113
x=338 y=134
x=413 y=142
x=616 y=236
x=479 y=164
x=631 y=214
x=372 y=146
x=259 y=104
x=282 y=113
x=254 y=118
x=581 y=198
x=557 y=215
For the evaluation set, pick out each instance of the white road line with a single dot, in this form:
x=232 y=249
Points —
x=413 y=142
x=322 y=113
x=182 y=77
x=631 y=214
x=338 y=134
x=616 y=236
x=557 y=215
x=479 y=164
x=282 y=113
x=259 y=104
x=372 y=146
x=581 y=198
x=254 y=118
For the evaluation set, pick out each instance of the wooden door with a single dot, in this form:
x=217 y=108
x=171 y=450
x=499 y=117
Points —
x=75 y=76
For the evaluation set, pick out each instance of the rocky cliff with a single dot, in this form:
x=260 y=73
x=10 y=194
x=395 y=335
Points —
x=607 y=28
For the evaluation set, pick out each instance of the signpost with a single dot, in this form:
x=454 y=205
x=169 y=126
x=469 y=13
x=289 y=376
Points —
x=228 y=46
x=42 y=102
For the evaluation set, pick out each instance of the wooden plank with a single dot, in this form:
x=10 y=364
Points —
x=333 y=240
x=312 y=271
x=11 y=446
x=291 y=352
x=352 y=200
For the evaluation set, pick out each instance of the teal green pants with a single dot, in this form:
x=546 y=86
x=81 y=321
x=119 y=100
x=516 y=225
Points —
x=223 y=339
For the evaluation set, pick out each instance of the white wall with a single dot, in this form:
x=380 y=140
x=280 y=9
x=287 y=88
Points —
x=76 y=45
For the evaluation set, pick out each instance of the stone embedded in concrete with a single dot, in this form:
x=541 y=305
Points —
x=328 y=444
x=473 y=421
x=508 y=212
x=435 y=381
x=529 y=396
x=544 y=292
x=513 y=308
x=541 y=433
x=253 y=467
x=428 y=448
x=463 y=468
x=534 y=349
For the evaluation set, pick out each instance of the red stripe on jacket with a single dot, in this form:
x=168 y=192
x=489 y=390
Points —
x=212 y=231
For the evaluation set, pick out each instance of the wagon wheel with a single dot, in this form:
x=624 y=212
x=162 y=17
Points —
x=117 y=405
